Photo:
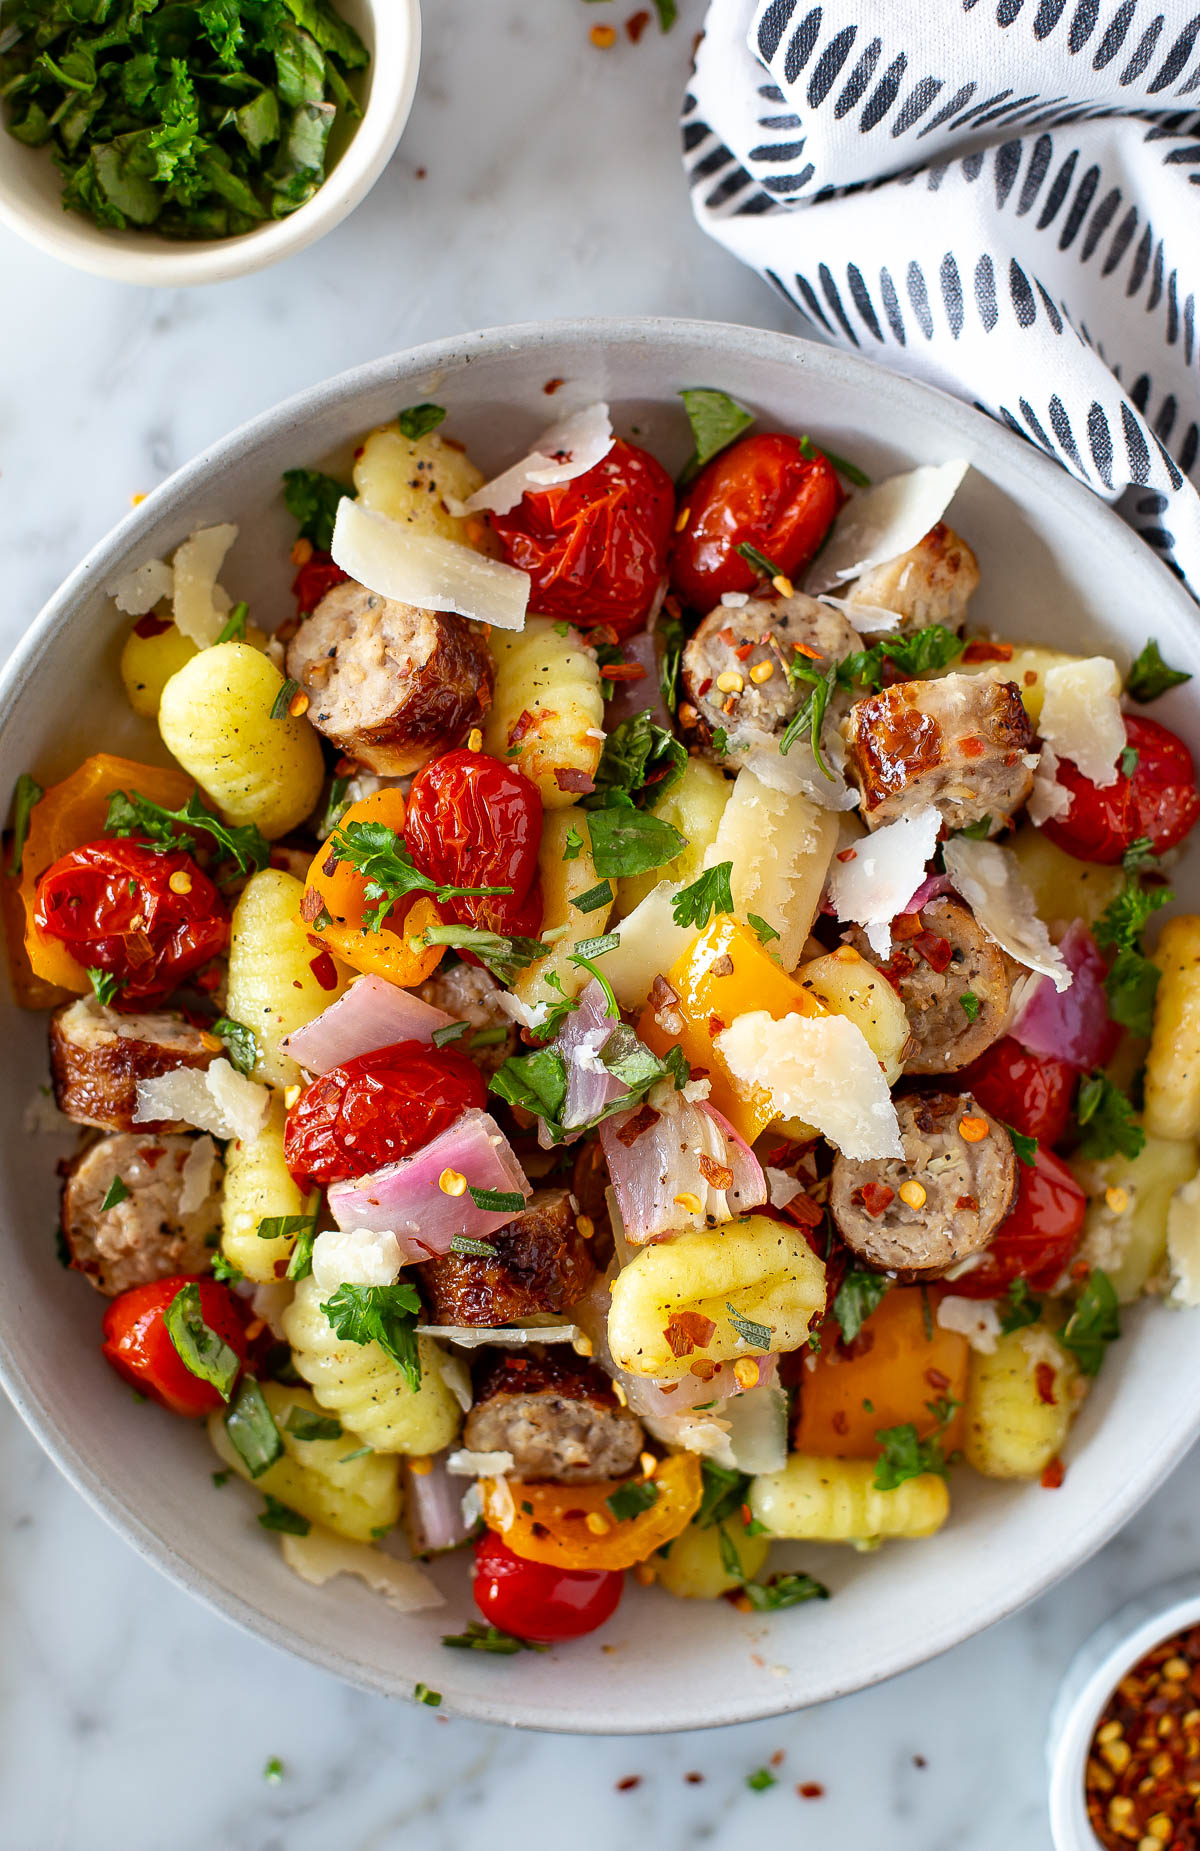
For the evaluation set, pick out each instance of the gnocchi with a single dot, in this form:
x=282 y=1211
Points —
x=836 y=1500
x=259 y=1187
x=356 y=1497
x=277 y=980
x=547 y=714
x=1021 y=1399
x=1173 y=1063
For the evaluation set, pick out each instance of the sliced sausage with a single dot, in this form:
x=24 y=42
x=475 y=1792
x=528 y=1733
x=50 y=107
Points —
x=542 y=1264
x=472 y=995
x=931 y=583
x=559 y=1419
x=961 y=743
x=951 y=957
x=767 y=632
x=967 y=1177
x=148 y=1234
x=97 y=1058
x=391 y=684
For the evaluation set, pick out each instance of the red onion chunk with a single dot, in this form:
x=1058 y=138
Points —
x=406 y=1198
x=685 y=1152
x=372 y=1014
x=433 y=1508
x=632 y=697
x=933 y=887
x=590 y=1086
x=1071 y=1024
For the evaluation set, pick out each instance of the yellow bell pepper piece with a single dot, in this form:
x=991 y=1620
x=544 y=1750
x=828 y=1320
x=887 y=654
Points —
x=573 y=1526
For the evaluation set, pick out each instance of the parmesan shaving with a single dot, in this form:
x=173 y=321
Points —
x=778 y=847
x=1048 y=798
x=1183 y=1243
x=976 y=1319
x=886 y=870
x=819 y=1069
x=321 y=1555
x=466 y=1464
x=706 y=1434
x=219 y=1100
x=882 y=522
x=199 y=610
x=781 y=1187
x=140 y=590
x=421 y=569
x=568 y=449
x=1081 y=716
x=506 y=1336
x=355 y=1256
x=867 y=619
x=990 y=881
x=457 y=1377
x=196 y=1176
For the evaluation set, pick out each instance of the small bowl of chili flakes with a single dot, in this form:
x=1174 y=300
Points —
x=1124 y=1746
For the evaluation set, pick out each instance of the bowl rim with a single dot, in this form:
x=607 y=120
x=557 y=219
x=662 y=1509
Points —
x=960 y=421
x=160 y=263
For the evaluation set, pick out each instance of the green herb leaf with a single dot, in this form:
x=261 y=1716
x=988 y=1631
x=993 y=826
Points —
x=277 y=1516
x=28 y=792
x=758 y=1334
x=626 y=841
x=221 y=1479
x=382 y=1314
x=760 y=1780
x=764 y=931
x=117 y=1192
x=225 y=1271
x=1106 y=1122
x=1025 y=1148
x=1094 y=1323
x=970 y=1005
x=452 y=1031
x=710 y=893
x=716 y=420
x=671 y=631
x=381 y=856
x=978 y=831
x=668 y=13
x=634 y=755
x=305 y=1425
x=497 y=1201
x=922 y=653
x=416 y=421
x=239 y=1042
x=251 y=1427
x=784 y=1591
x=725 y=1491
x=1131 y=987
x=473 y=1249
x=1129 y=760
x=1020 y=1308
x=481 y=1638
x=167 y=830
x=273 y=1772
x=504 y=957
x=1124 y=920
x=537 y=1082
x=858 y=1295
x=284 y=699
x=594 y=898
x=431 y=1698
x=200 y=1349
x=904 y=1456
x=1150 y=676
x=630 y=1499
x=1139 y=854
x=807 y=721
x=573 y=844
x=104 y=985
x=720 y=741
x=851 y=471
x=233 y=630
x=766 y=567
x=312 y=501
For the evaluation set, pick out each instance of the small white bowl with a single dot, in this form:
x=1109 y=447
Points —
x=31 y=185
x=1094 y=1674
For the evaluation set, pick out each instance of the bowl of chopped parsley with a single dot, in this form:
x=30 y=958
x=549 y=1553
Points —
x=188 y=141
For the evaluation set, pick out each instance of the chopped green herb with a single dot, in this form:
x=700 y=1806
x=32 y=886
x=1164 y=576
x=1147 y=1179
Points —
x=970 y=1005
x=225 y=1271
x=1129 y=760
x=472 y=1249
x=667 y=12
x=716 y=420
x=104 y=985
x=1094 y=1323
x=481 y=1638
x=731 y=1561
x=594 y=898
x=284 y=699
x=222 y=1478
x=766 y=567
x=233 y=630
x=453 y=1031
x=381 y=856
x=1125 y=919
x=382 y=1314
x=117 y=1192
x=537 y=1082
x=807 y=721
x=760 y=1780
x=764 y=931
x=1131 y=987
x=199 y=1348
x=1024 y=1147
x=167 y=830
x=1138 y=855
x=416 y=421
x=720 y=741
x=573 y=844
x=1150 y=676
x=671 y=631
x=628 y=841
x=922 y=653
x=277 y=1516
x=431 y=1698
x=1020 y=1308
x=335 y=809
x=504 y=957
x=1106 y=1121
x=497 y=1201
x=634 y=754
x=978 y=831
x=784 y=1591
x=758 y=1334
x=632 y=1498
x=273 y=1772
x=710 y=893
x=489 y=1037
x=239 y=1041
x=305 y=1425
x=858 y=1295
x=904 y=1456
x=312 y=501
x=725 y=1491
x=304 y=1227
x=27 y=793
x=360 y=1452
x=251 y=1427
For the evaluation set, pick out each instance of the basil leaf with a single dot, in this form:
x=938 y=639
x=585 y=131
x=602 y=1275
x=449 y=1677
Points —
x=251 y=1427
x=716 y=420
x=626 y=841
x=239 y=1042
x=1150 y=676
x=416 y=421
x=312 y=498
x=858 y=1295
x=1020 y=1308
x=277 y=1516
x=116 y=1193
x=1106 y=1121
x=305 y=1425
x=382 y=1314
x=784 y=1591
x=725 y=1491
x=202 y=1351
x=630 y=1499
x=1094 y=1323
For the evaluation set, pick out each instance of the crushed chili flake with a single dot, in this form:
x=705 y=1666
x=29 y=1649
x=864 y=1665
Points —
x=746 y=650
x=551 y=386
x=874 y=1197
x=629 y=1783
x=520 y=726
x=718 y=1174
x=151 y=1154
x=907 y=926
x=693 y=1779
x=311 y=905
x=847 y=854
x=811 y=1790
x=920 y=1761
x=1143 y=1767
x=150 y=625
x=622 y=671
x=1043 y=1381
x=971 y=747
x=937 y=1381
x=686 y=1329
x=1053 y=1475
x=981 y=650
x=804 y=1211
x=705 y=685
x=715 y=1026
x=629 y=1133
x=324 y=970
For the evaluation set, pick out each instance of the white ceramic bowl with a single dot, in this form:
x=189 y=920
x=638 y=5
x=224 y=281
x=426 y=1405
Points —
x=31 y=185
x=1056 y=563
x=1095 y=1673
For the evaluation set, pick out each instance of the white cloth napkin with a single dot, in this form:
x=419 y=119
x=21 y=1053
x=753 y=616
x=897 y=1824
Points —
x=1001 y=197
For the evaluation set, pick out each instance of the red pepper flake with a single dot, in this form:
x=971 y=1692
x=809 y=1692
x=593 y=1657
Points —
x=920 y=1761
x=1080 y=1269
x=150 y=625
x=967 y=1203
x=705 y=685
x=324 y=970
x=981 y=650
x=1141 y=1772
x=907 y=926
x=747 y=649
x=715 y=1027
x=1043 y=1381
x=847 y=854
x=1053 y=1475
x=937 y=1381
x=1030 y=678
x=520 y=726
x=839 y=1422
x=971 y=747
x=704 y=1368
x=151 y=1154
x=629 y=1783
x=329 y=866
x=571 y=778
x=777 y=1758
x=804 y=1211
x=310 y=906
x=551 y=387
x=811 y=1790
x=629 y=1133
x=936 y=951
x=693 y=1779
x=728 y=636
x=686 y=1331
x=622 y=671
x=874 y=1197
x=718 y=1174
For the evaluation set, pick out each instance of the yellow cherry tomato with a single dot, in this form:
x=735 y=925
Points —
x=572 y=1526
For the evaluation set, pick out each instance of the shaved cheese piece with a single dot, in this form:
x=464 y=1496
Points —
x=355 y=1256
x=457 y=1377
x=466 y=1464
x=568 y=449
x=269 y=1301
x=706 y=1434
x=140 y=590
x=199 y=612
x=321 y=1555
x=649 y=942
x=796 y=773
x=1081 y=716
x=1183 y=1243
x=990 y=881
x=1048 y=797
x=868 y=619
x=779 y=848
x=819 y=1069
x=196 y=1176
x=506 y=1336
x=422 y=569
x=976 y=1319
x=782 y=1187
x=882 y=522
x=885 y=872
x=219 y=1100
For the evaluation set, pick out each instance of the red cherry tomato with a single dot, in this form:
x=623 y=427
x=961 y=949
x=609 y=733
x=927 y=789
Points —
x=1038 y=1235
x=315 y=577
x=763 y=491
x=1157 y=800
x=595 y=548
x=534 y=1600
x=112 y=904
x=377 y=1108
x=138 y=1346
x=1030 y=1092
x=473 y=821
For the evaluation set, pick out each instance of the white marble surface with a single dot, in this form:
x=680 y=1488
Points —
x=131 y=1718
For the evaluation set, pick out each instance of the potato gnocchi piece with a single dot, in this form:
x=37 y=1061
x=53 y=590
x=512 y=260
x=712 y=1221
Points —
x=780 y=847
x=1062 y=887
x=273 y=971
x=362 y=1385
x=148 y=662
x=693 y=1568
x=547 y=714
x=694 y=806
x=848 y=984
x=259 y=1187
x=1125 y=1231
x=413 y=481
x=354 y=1497
x=215 y=718
x=562 y=883
x=835 y=1500
x=1021 y=1400
x=1172 y=1096
x=681 y=1301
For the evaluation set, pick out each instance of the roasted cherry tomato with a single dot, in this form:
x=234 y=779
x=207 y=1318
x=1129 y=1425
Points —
x=1038 y=1235
x=532 y=1600
x=765 y=492
x=1157 y=799
x=316 y=576
x=595 y=548
x=473 y=821
x=146 y=919
x=139 y=1347
x=1030 y=1092
x=377 y=1108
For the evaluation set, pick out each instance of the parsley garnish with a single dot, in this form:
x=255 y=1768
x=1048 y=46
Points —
x=416 y=421
x=633 y=752
x=784 y=1591
x=904 y=1456
x=305 y=1425
x=970 y=1005
x=199 y=1348
x=239 y=1041
x=431 y=1698
x=481 y=1638
x=1020 y=1308
x=807 y=721
x=1024 y=1147
x=725 y=1491
x=1150 y=676
x=858 y=1295
x=1106 y=1122
x=251 y=1427
x=760 y=1780
x=1131 y=986
x=381 y=856
x=1094 y=1323
x=233 y=630
x=764 y=931
x=277 y=1516
x=594 y=898
x=920 y=654
x=758 y=1334
x=116 y=1193
x=27 y=793
x=978 y=831
x=104 y=985
x=1129 y=760
x=505 y=957
x=312 y=501
x=225 y=1271
x=632 y=1498
x=1124 y=920
x=168 y=830
x=716 y=420
x=497 y=1202
x=304 y=1227
x=538 y=1081
x=573 y=844
x=719 y=741
x=382 y=1314
x=709 y=894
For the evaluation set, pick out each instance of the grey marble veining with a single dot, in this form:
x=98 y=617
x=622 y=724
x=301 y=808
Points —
x=131 y=1719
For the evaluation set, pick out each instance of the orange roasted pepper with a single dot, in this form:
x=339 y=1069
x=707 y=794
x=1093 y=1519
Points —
x=549 y=1523
x=70 y=814
x=391 y=952
x=898 y=1364
x=726 y=973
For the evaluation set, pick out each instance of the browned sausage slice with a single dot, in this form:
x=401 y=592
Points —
x=97 y=1058
x=768 y=633
x=391 y=684
x=952 y=957
x=931 y=583
x=473 y=995
x=967 y=1176
x=960 y=743
x=147 y=1234
x=542 y=1264
x=559 y=1420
